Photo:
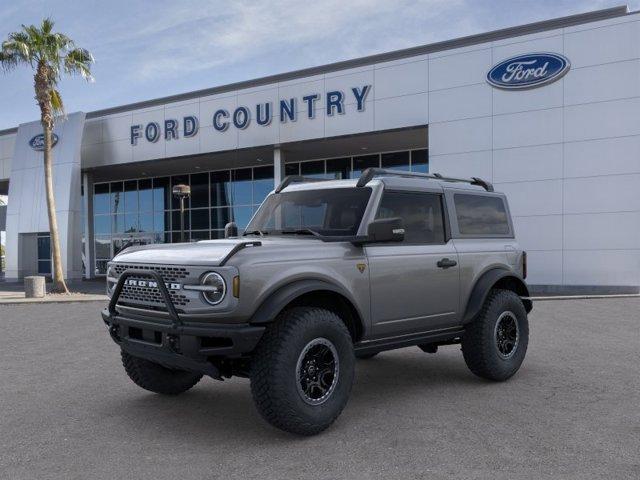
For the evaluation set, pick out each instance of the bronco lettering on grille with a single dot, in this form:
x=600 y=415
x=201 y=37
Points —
x=132 y=282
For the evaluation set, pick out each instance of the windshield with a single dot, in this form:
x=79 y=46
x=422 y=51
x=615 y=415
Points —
x=326 y=211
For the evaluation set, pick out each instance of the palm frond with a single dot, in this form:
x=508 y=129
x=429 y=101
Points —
x=56 y=102
x=78 y=61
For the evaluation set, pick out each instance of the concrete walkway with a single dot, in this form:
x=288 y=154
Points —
x=81 y=291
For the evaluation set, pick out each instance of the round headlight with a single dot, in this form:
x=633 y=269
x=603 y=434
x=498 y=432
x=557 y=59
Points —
x=216 y=288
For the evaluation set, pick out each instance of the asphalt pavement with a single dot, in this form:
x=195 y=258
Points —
x=68 y=411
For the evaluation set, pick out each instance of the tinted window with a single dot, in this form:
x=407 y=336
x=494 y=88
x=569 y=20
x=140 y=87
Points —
x=421 y=214
x=481 y=215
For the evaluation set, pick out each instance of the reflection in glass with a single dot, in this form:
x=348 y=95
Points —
x=364 y=162
x=241 y=186
x=339 y=168
x=420 y=161
x=116 y=197
x=200 y=219
x=242 y=215
x=395 y=160
x=161 y=194
x=101 y=198
x=175 y=220
x=220 y=217
x=262 y=183
x=199 y=190
x=313 y=169
x=220 y=188
x=131 y=222
x=145 y=195
x=131 y=196
x=102 y=224
x=179 y=180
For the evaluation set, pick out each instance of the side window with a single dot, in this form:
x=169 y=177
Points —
x=421 y=214
x=481 y=215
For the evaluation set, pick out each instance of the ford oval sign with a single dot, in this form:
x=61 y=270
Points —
x=37 y=142
x=528 y=71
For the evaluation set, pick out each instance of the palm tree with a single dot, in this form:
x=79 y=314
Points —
x=49 y=54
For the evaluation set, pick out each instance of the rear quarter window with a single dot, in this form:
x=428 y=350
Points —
x=481 y=215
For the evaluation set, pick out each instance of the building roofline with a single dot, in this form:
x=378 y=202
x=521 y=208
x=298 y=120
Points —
x=529 y=28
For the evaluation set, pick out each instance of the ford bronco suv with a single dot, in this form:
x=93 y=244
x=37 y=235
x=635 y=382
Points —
x=327 y=271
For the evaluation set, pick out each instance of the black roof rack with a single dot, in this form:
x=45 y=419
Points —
x=298 y=179
x=370 y=173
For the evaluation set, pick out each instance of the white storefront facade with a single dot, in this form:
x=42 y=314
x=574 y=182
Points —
x=547 y=112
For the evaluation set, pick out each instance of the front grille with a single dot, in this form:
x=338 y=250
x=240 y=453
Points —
x=148 y=297
x=133 y=294
x=170 y=274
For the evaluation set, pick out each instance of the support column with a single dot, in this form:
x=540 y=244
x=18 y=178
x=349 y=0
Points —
x=89 y=244
x=278 y=166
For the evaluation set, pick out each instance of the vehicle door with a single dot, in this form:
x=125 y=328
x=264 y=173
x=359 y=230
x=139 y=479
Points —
x=414 y=283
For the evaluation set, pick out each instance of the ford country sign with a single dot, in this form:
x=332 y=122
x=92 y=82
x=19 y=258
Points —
x=528 y=71
x=37 y=142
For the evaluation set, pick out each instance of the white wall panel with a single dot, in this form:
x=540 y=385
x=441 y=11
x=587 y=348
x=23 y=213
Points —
x=544 y=267
x=472 y=164
x=603 y=45
x=611 y=193
x=540 y=162
x=459 y=103
x=460 y=136
x=598 y=83
x=602 y=157
x=116 y=127
x=602 y=267
x=539 y=232
x=549 y=41
x=528 y=128
x=533 y=198
x=601 y=120
x=510 y=101
x=459 y=69
x=402 y=79
x=345 y=83
x=350 y=122
x=602 y=231
x=397 y=112
x=304 y=128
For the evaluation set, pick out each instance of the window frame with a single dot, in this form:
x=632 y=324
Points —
x=427 y=191
x=455 y=228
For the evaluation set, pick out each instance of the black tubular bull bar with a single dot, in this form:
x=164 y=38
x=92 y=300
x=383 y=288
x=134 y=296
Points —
x=132 y=272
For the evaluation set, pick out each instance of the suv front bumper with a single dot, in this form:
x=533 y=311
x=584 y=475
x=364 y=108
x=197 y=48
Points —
x=174 y=343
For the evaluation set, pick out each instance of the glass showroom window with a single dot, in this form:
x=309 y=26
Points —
x=137 y=212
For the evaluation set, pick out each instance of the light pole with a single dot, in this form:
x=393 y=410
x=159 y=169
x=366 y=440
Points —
x=181 y=192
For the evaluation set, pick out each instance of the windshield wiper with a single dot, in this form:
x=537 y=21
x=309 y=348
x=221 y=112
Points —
x=255 y=232
x=301 y=231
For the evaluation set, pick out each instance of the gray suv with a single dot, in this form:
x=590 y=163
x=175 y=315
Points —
x=327 y=271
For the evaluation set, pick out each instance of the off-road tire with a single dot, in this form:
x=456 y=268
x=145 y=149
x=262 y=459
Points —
x=156 y=378
x=479 y=343
x=366 y=356
x=274 y=374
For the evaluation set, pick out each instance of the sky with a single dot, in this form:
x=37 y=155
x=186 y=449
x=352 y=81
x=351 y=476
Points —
x=150 y=49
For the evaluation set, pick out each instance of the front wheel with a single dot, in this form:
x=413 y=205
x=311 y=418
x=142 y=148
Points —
x=302 y=370
x=495 y=342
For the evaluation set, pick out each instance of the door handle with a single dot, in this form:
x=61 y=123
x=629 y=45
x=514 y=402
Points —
x=446 y=263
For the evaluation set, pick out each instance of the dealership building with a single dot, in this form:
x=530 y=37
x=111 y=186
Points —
x=548 y=112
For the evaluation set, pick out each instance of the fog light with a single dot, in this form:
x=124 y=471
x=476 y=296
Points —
x=216 y=288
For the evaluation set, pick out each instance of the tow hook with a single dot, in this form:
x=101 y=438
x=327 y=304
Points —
x=114 y=331
x=173 y=342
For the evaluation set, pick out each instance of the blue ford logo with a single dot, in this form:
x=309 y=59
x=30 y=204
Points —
x=37 y=142
x=528 y=71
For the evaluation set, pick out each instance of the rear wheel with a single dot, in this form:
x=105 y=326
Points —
x=156 y=378
x=302 y=370
x=495 y=342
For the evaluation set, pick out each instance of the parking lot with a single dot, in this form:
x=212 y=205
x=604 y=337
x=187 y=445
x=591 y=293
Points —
x=67 y=409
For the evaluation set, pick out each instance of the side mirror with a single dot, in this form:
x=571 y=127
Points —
x=230 y=230
x=386 y=230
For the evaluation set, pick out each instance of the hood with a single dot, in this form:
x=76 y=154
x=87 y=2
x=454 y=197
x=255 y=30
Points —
x=212 y=252
x=200 y=253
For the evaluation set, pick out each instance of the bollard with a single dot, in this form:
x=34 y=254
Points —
x=34 y=287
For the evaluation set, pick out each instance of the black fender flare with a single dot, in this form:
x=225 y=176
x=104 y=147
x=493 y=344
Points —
x=484 y=285
x=281 y=297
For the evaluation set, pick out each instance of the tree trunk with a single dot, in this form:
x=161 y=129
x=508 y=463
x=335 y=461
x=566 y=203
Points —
x=46 y=118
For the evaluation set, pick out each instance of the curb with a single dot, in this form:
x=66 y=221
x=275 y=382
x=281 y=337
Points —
x=69 y=299
x=582 y=297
